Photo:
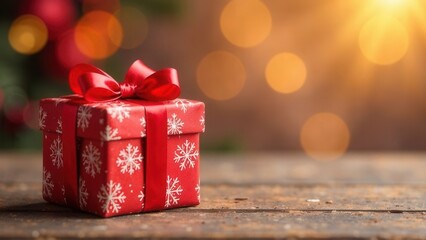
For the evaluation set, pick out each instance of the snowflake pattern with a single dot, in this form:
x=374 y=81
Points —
x=143 y=124
x=183 y=104
x=174 y=189
x=83 y=117
x=186 y=154
x=42 y=118
x=141 y=196
x=59 y=128
x=203 y=123
x=118 y=110
x=47 y=183
x=56 y=153
x=111 y=196
x=197 y=189
x=174 y=125
x=83 y=194
x=91 y=159
x=129 y=159
x=110 y=134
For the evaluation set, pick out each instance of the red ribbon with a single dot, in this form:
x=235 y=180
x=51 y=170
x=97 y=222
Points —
x=140 y=82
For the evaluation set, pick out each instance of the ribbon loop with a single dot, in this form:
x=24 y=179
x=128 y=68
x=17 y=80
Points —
x=141 y=82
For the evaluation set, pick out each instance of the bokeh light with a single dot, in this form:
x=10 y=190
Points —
x=67 y=52
x=30 y=114
x=383 y=40
x=28 y=34
x=221 y=75
x=110 y=6
x=325 y=136
x=245 y=23
x=59 y=16
x=15 y=101
x=285 y=73
x=135 y=27
x=98 y=34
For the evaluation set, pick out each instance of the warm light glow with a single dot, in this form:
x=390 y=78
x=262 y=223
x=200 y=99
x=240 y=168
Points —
x=245 y=23
x=98 y=34
x=135 y=27
x=325 y=136
x=221 y=75
x=28 y=34
x=285 y=73
x=383 y=40
x=391 y=3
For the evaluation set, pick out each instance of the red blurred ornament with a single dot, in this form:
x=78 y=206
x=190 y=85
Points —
x=58 y=15
x=14 y=119
x=67 y=52
x=57 y=58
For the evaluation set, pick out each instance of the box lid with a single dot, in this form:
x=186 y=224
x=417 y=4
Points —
x=119 y=119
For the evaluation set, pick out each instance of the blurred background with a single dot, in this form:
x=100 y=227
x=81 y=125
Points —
x=319 y=76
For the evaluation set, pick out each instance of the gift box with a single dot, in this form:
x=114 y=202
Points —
x=114 y=149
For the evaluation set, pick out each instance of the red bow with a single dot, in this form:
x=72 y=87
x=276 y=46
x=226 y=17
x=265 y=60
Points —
x=142 y=82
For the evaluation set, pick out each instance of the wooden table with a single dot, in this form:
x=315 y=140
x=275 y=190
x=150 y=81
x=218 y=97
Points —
x=362 y=196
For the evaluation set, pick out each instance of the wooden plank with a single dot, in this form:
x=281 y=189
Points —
x=27 y=197
x=224 y=224
x=377 y=168
x=361 y=196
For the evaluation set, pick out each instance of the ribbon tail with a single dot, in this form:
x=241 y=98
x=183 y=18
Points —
x=156 y=157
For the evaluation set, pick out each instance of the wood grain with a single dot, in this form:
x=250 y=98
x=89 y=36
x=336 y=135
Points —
x=362 y=196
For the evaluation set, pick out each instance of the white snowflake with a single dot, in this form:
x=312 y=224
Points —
x=141 y=196
x=83 y=117
x=197 y=189
x=59 y=128
x=47 y=183
x=91 y=159
x=174 y=125
x=203 y=123
x=110 y=134
x=129 y=159
x=184 y=104
x=143 y=124
x=56 y=153
x=111 y=196
x=41 y=118
x=174 y=189
x=186 y=155
x=119 y=110
x=82 y=192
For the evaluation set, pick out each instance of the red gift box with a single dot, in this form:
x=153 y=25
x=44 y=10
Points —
x=122 y=156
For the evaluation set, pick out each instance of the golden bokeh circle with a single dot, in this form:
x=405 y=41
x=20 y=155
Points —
x=245 y=23
x=383 y=40
x=98 y=34
x=220 y=75
x=285 y=73
x=135 y=27
x=325 y=136
x=28 y=34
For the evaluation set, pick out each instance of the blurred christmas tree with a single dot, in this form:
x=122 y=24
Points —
x=43 y=39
